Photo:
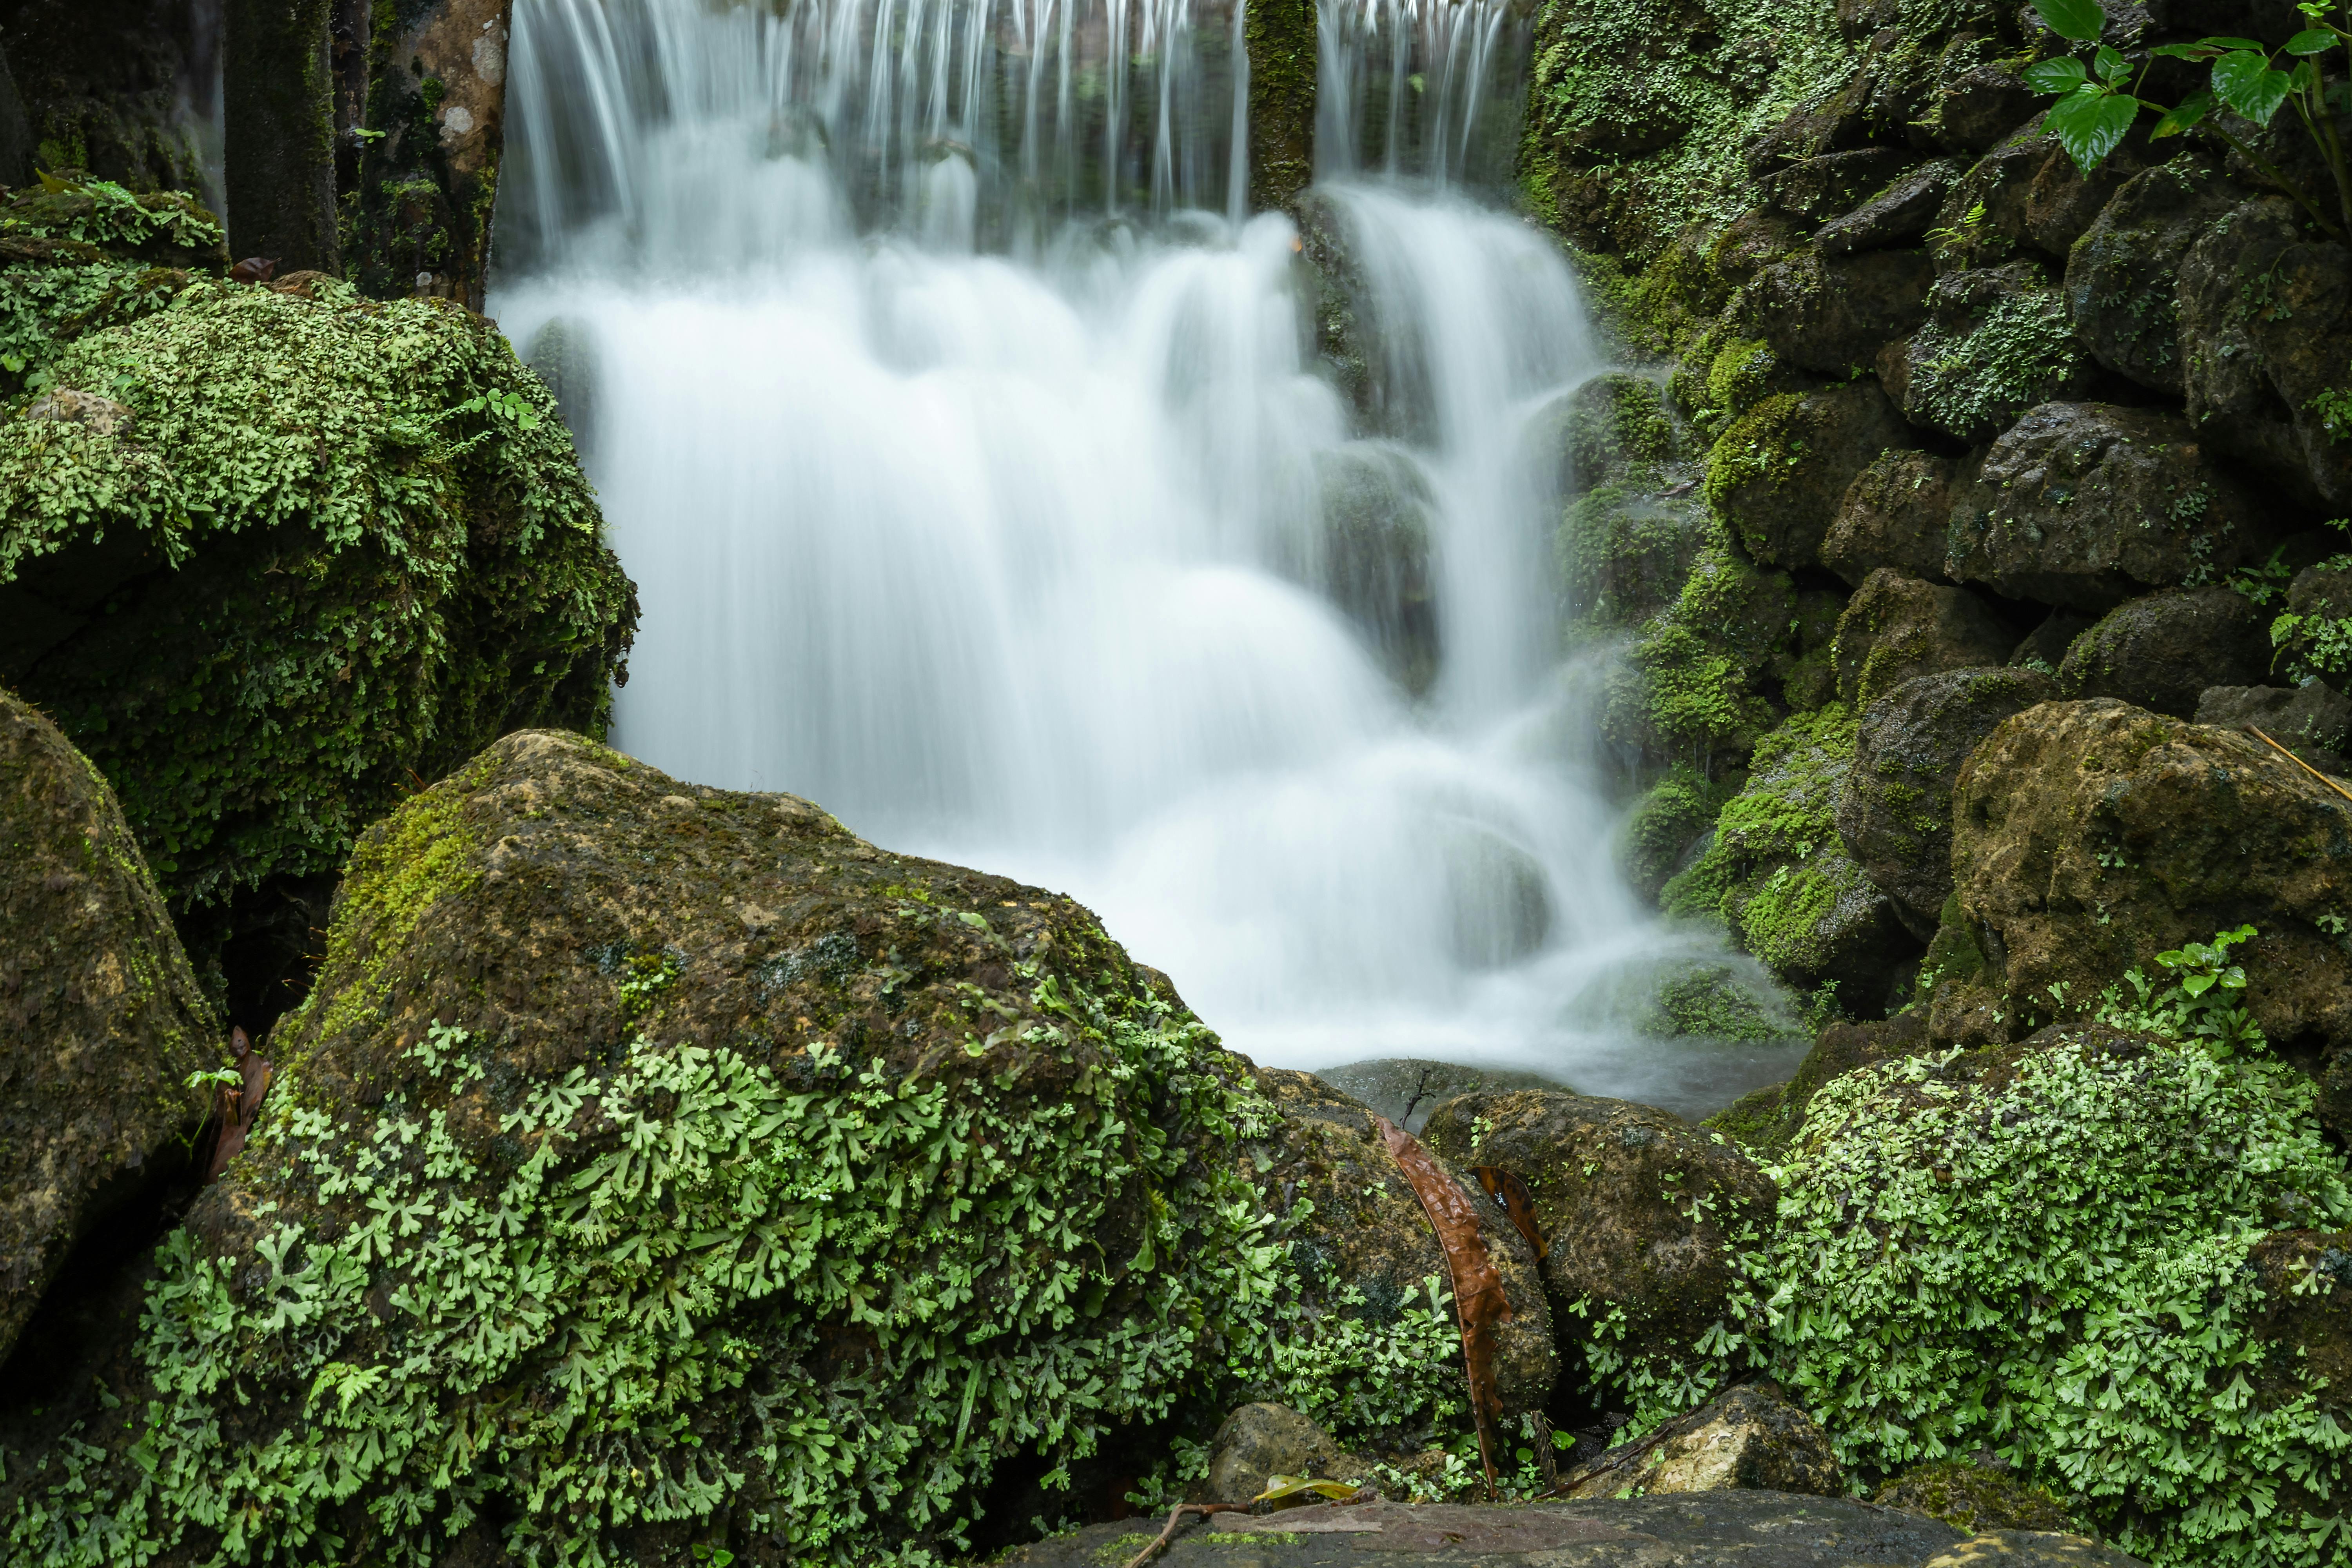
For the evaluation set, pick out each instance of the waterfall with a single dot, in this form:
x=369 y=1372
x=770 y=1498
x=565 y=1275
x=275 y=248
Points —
x=972 y=455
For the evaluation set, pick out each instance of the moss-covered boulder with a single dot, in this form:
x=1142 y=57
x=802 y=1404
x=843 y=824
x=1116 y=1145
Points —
x=2123 y=279
x=1778 y=875
x=1996 y=343
x=1639 y=1208
x=2161 y=652
x=1753 y=1438
x=2313 y=720
x=1899 y=628
x=89 y=255
x=2090 y=836
x=1974 y=1497
x=1696 y=685
x=1895 y=515
x=1895 y=806
x=1664 y=827
x=1831 y=315
x=1778 y=474
x=336 y=547
x=655 y=1166
x=1373 y=556
x=2088 y=504
x=101 y=1024
x=2042 y=1250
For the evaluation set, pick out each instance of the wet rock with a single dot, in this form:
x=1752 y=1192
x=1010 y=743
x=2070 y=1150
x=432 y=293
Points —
x=2032 y=1549
x=1368 y=1248
x=1981 y=103
x=564 y=354
x=1972 y=1496
x=1779 y=472
x=2088 y=504
x=1375 y=555
x=1895 y=807
x=1777 y=876
x=2161 y=652
x=1813 y=189
x=1996 y=343
x=1895 y=515
x=1688 y=998
x=2089 y=837
x=2313 y=720
x=1665 y=825
x=2123 y=279
x=1500 y=901
x=2265 y=334
x=1406 y=1089
x=100 y=1020
x=1614 y=427
x=1764 y=1123
x=1829 y=314
x=2027 y=195
x=1625 y=549
x=1702 y=1529
x=1637 y=1207
x=1897 y=628
x=1753 y=1438
x=1898 y=215
x=1258 y=1442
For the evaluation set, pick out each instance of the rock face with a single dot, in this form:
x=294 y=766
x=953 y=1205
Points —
x=2086 y=504
x=674 y=1124
x=1893 y=515
x=1778 y=474
x=2123 y=281
x=1828 y=314
x=2266 y=331
x=1898 y=628
x=100 y=1020
x=1895 y=807
x=2161 y=652
x=1637 y=1207
x=1996 y=343
x=1751 y=1439
x=2315 y=636
x=1261 y=1441
x=2313 y=720
x=1987 y=1496
x=1368 y=1251
x=2090 y=835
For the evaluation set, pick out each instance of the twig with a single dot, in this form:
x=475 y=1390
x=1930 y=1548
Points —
x=1175 y=1517
x=2306 y=767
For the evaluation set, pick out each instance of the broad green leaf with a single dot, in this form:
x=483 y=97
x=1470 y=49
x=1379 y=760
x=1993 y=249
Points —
x=2304 y=77
x=2190 y=112
x=2245 y=82
x=2089 y=123
x=2260 y=48
x=2081 y=20
x=2112 y=65
x=2310 y=42
x=1278 y=1488
x=2062 y=75
x=2185 y=51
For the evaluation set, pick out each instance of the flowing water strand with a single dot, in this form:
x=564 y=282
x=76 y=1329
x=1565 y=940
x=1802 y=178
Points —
x=981 y=484
x=1419 y=89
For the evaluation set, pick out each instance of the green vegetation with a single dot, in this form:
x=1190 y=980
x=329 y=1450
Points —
x=2014 y=355
x=1690 y=688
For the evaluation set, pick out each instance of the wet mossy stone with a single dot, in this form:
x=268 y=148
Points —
x=337 y=547
x=1974 y=1497
x=1639 y=1208
x=1778 y=474
x=2161 y=652
x=1692 y=688
x=101 y=1019
x=1996 y=343
x=2090 y=836
x=1833 y=314
x=2123 y=277
x=1763 y=1124
x=653 y=1163
x=1670 y=817
x=1895 y=514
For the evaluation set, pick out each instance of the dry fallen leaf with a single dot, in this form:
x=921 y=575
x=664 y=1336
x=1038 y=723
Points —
x=1478 y=1300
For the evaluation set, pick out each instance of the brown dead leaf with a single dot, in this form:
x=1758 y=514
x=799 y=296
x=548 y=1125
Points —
x=1512 y=1194
x=239 y=1106
x=1478 y=1300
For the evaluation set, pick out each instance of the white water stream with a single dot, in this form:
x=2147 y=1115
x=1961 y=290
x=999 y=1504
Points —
x=971 y=457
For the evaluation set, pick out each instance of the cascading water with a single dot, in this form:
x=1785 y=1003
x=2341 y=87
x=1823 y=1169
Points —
x=970 y=453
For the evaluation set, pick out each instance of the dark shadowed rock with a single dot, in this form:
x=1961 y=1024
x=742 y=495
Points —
x=2122 y=278
x=1899 y=627
x=1895 y=514
x=100 y=1020
x=2161 y=652
x=2265 y=336
x=2088 y=504
x=1779 y=472
x=1895 y=809
x=2026 y=195
x=2089 y=837
x=1637 y=1206
x=2314 y=638
x=2044 y=647
x=1813 y=189
x=1980 y=1497
x=1765 y=1123
x=2313 y=720
x=1898 y=215
x=1752 y=1438
x=1828 y=314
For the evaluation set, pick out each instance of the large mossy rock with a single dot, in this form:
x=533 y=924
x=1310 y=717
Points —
x=1996 y=343
x=1895 y=806
x=302 y=550
x=1831 y=315
x=1640 y=1210
x=656 y=1165
x=2088 y=504
x=2089 y=837
x=1778 y=474
x=2162 y=652
x=101 y=1021
x=1893 y=515
x=2123 y=279
x=1897 y=628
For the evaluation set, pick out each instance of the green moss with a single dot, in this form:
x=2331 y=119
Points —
x=2018 y=350
x=1975 y=1498
x=1754 y=1121
x=1762 y=445
x=1692 y=686
x=330 y=631
x=1715 y=1002
x=1665 y=822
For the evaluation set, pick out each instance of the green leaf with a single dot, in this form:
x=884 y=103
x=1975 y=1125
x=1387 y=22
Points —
x=2260 y=48
x=2089 y=124
x=2081 y=20
x=2185 y=51
x=2312 y=41
x=2245 y=82
x=2190 y=112
x=2060 y=76
x=2112 y=65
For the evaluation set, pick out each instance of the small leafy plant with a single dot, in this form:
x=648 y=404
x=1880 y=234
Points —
x=2205 y=1002
x=2098 y=101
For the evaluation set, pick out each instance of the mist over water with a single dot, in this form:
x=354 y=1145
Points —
x=971 y=457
